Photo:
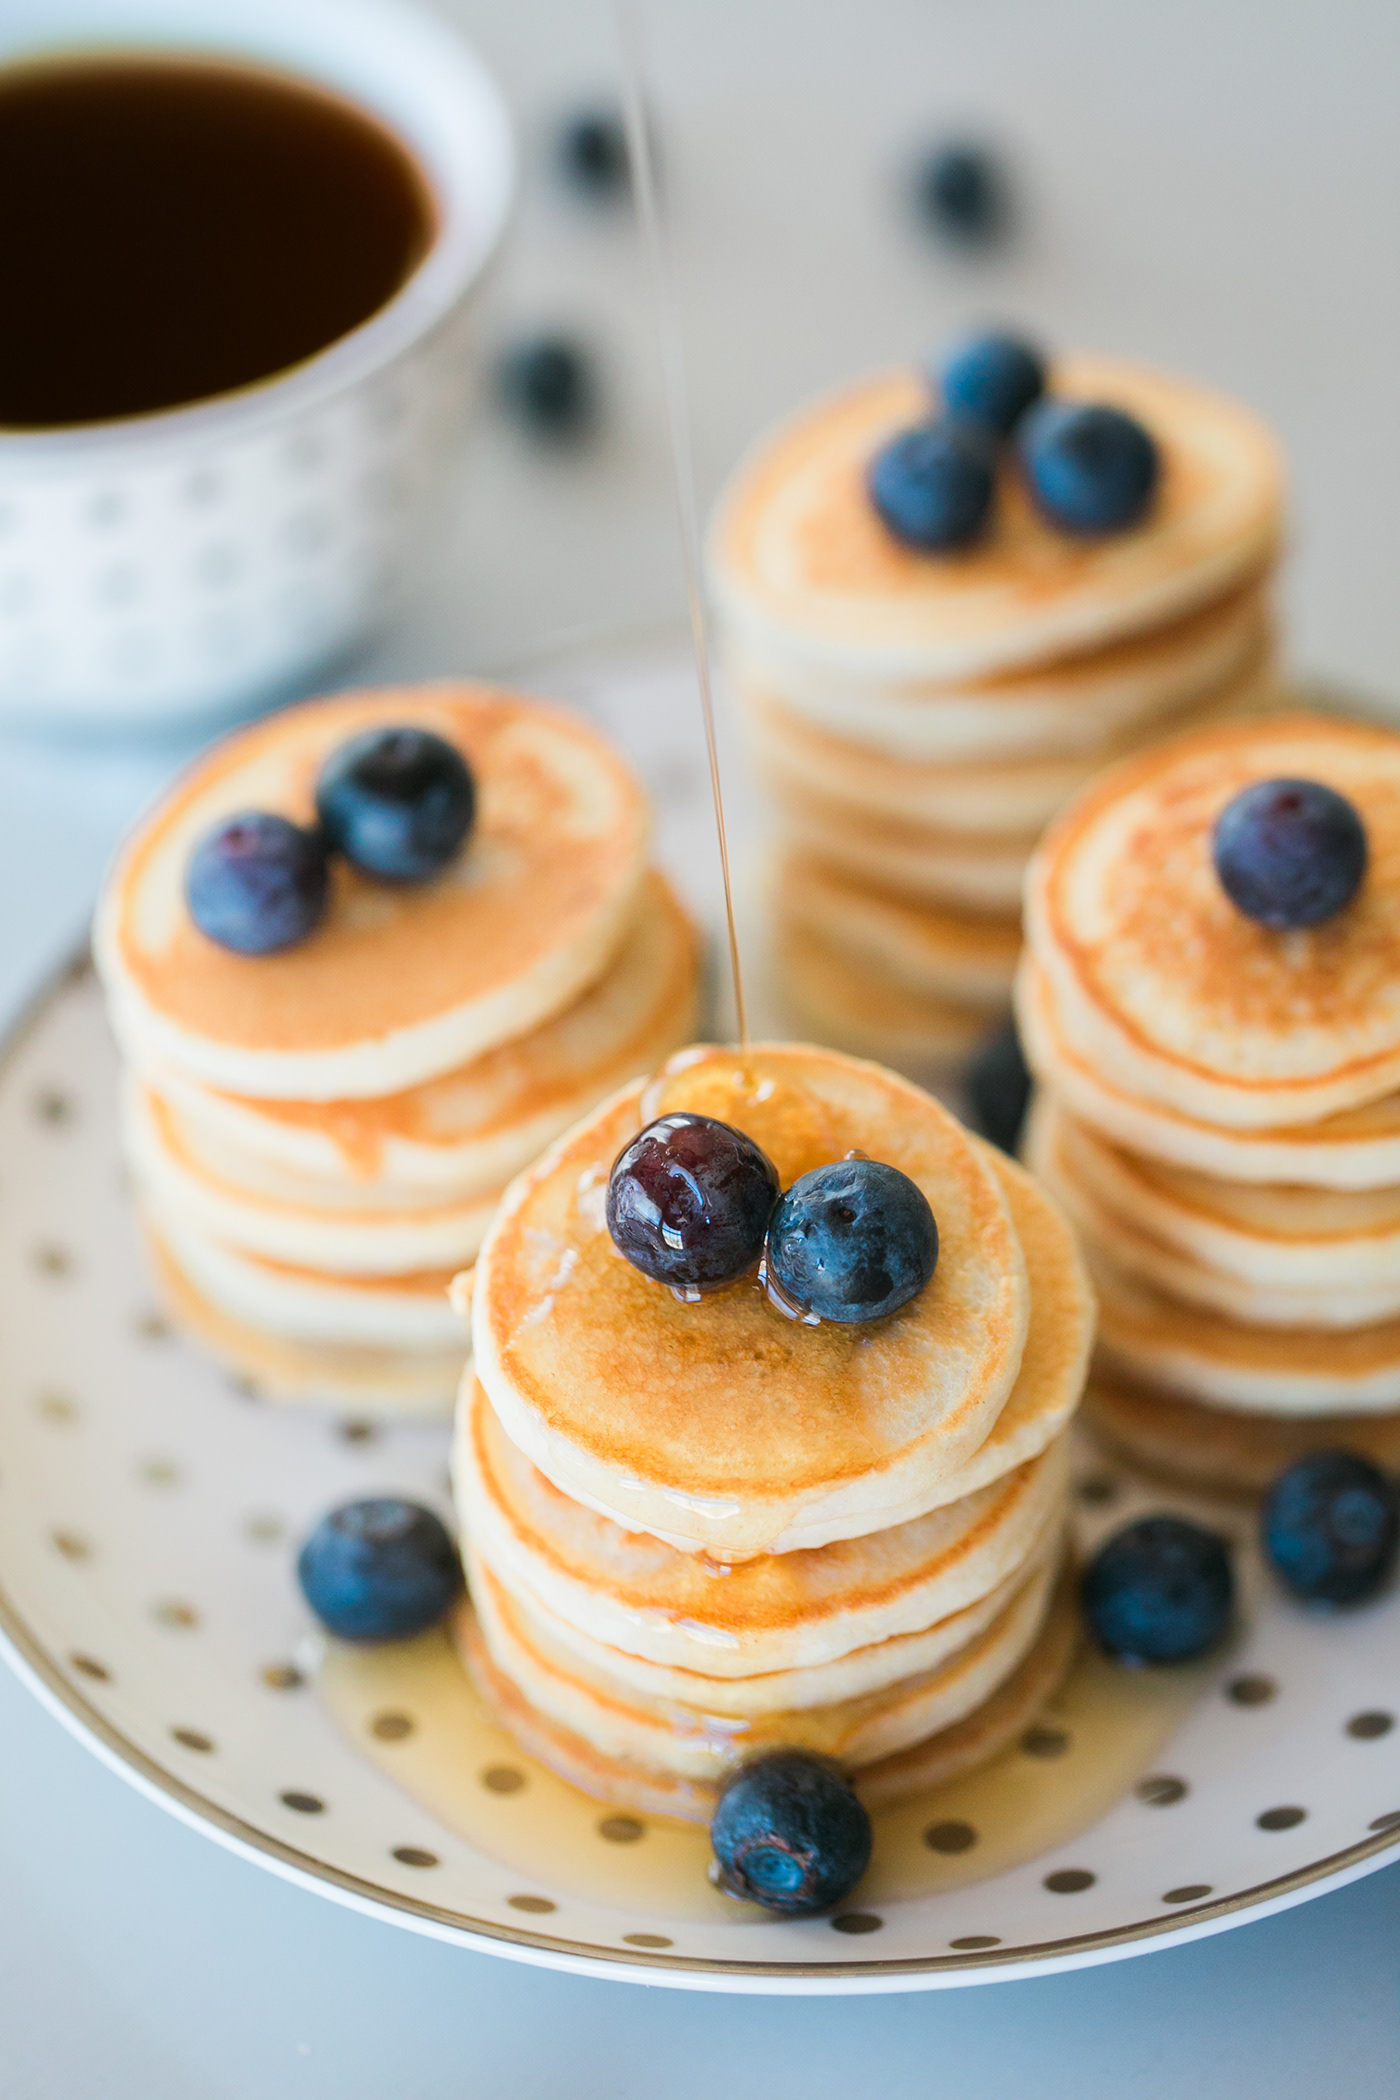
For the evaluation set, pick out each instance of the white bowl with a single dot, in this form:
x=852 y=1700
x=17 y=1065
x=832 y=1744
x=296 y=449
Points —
x=213 y=558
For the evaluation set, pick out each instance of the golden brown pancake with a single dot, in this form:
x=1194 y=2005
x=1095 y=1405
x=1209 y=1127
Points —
x=724 y=1417
x=972 y=871
x=854 y=1006
x=1220 y=1452
x=802 y=568
x=400 y=982
x=967 y=958
x=1160 y=982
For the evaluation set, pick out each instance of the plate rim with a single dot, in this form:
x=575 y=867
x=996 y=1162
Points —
x=42 y=1674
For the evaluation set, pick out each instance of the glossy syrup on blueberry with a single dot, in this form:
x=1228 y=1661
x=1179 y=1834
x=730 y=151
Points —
x=851 y=1242
x=689 y=1201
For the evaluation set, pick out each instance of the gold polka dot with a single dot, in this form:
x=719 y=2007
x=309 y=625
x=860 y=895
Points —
x=53 y=1261
x=1096 y=1490
x=391 y=1728
x=159 y=1472
x=1280 y=1818
x=304 y=1804
x=1045 y=1742
x=357 y=1432
x=58 y=1409
x=621 y=1830
x=1369 y=1726
x=243 y=1387
x=950 y=1837
x=1389 y=1821
x=264 y=1529
x=1068 y=1881
x=415 y=1856
x=1251 y=1691
x=1161 y=1790
x=152 y=1327
x=71 y=1545
x=972 y=1941
x=857 y=1921
x=91 y=1667
x=282 y=1677
x=646 y=1939
x=175 y=1614
x=193 y=1739
x=502 y=1779
x=1191 y=1892
x=538 y=1906
x=53 y=1107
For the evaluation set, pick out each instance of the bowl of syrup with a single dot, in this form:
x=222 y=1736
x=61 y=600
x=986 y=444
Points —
x=238 y=250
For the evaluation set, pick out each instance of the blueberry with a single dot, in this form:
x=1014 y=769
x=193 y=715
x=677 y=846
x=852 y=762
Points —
x=592 y=154
x=1331 y=1526
x=852 y=1241
x=257 y=883
x=999 y=1088
x=689 y=1202
x=993 y=379
x=1090 y=468
x=396 y=802
x=1289 y=852
x=379 y=1570
x=547 y=383
x=790 y=1833
x=960 y=192
x=933 y=486
x=1159 y=1591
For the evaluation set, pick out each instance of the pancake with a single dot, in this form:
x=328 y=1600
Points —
x=400 y=982
x=1001 y=795
x=539 y=1658
x=358 y=1376
x=775 y=1615
x=1356 y=1149
x=803 y=571
x=975 y=871
x=313 y=1305
x=1173 y=994
x=1216 y=1451
x=857 y=1007
x=1059 y=709
x=170 y=1169
x=933 y=950
x=724 y=1416
x=941 y=1757
x=465 y=1134
x=1151 y=1340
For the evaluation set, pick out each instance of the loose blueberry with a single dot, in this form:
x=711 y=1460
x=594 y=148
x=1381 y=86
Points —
x=1159 y=1591
x=999 y=1088
x=1331 y=1527
x=689 y=1202
x=396 y=802
x=379 y=1570
x=1090 y=468
x=960 y=192
x=257 y=883
x=547 y=383
x=852 y=1241
x=592 y=154
x=1289 y=852
x=993 y=379
x=790 y=1833
x=933 y=486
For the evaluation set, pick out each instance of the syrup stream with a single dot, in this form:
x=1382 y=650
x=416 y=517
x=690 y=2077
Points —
x=672 y=354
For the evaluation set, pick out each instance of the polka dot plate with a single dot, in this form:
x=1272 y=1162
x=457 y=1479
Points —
x=149 y=1516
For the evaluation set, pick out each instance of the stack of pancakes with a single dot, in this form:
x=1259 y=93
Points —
x=697 y=1531
x=1219 y=1110
x=318 y=1138
x=920 y=717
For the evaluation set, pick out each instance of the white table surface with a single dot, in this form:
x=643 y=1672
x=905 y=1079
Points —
x=1216 y=185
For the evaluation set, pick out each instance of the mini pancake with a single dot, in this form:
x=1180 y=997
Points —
x=934 y=950
x=777 y=1614
x=1219 y=1452
x=465 y=1134
x=168 y=1163
x=1356 y=1149
x=354 y=1375
x=400 y=982
x=974 y=871
x=1001 y=795
x=1059 y=709
x=1162 y=984
x=803 y=570
x=858 y=1007
x=1152 y=1340
x=540 y=1659
x=724 y=1416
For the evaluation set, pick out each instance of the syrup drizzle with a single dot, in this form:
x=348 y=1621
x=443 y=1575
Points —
x=669 y=344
